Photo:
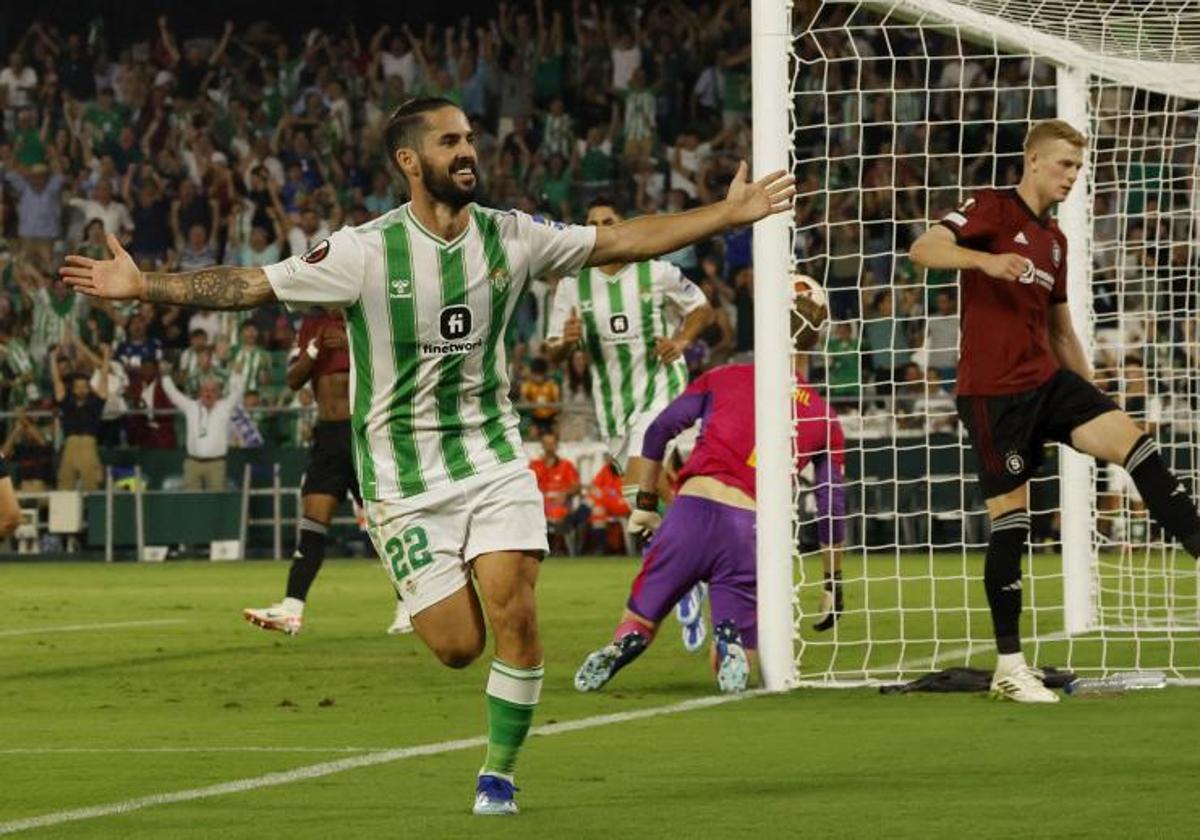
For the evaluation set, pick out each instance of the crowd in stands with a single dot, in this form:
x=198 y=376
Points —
x=895 y=126
x=243 y=145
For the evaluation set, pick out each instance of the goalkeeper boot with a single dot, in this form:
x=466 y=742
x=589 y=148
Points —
x=1022 y=684
x=690 y=612
x=494 y=796
x=833 y=603
x=274 y=617
x=402 y=622
x=733 y=664
x=601 y=665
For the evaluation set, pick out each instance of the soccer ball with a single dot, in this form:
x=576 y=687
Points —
x=810 y=310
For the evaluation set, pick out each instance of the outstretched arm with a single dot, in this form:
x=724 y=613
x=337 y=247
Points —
x=218 y=287
x=177 y=397
x=683 y=411
x=651 y=236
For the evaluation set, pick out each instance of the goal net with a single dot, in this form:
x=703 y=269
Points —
x=898 y=110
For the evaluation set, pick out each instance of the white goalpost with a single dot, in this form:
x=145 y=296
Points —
x=771 y=41
x=890 y=112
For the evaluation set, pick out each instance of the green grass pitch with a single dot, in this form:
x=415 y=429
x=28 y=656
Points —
x=108 y=715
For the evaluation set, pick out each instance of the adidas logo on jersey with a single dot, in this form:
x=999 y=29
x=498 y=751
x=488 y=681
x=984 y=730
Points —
x=1020 y=237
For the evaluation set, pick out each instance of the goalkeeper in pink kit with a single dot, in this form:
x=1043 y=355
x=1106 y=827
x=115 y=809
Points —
x=709 y=531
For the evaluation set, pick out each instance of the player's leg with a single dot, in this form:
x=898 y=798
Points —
x=452 y=628
x=679 y=556
x=505 y=543
x=633 y=634
x=421 y=547
x=1114 y=437
x=506 y=581
x=690 y=607
x=627 y=451
x=1004 y=436
x=288 y=615
x=733 y=596
x=330 y=473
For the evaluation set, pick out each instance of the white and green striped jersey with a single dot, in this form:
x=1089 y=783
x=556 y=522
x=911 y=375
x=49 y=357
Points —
x=255 y=360
x=622 y=317
x=50 y=316
x=426 y=320
x=189 y=363
x=16 y=358
x=640 y=114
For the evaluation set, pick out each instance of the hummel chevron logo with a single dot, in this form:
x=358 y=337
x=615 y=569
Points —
x=1020 y=237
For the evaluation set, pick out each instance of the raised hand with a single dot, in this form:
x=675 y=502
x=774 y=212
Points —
x=573 y=328
x=117 y=279
x=749 y=201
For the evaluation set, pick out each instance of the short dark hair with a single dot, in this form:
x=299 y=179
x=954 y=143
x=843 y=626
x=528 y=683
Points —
x=538 y=365
x=406 y=126
x=602 y=201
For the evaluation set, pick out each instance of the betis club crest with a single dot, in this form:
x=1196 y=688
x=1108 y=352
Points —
x=499 y=278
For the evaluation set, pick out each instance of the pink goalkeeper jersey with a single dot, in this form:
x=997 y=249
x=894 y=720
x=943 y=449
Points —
x=723 y=399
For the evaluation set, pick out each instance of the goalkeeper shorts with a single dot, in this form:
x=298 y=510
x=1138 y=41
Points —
x=701 y=540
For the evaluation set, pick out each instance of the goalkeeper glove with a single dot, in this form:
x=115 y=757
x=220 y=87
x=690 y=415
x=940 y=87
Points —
x=644 y=521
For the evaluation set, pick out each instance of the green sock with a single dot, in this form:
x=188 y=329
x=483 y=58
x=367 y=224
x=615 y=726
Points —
x=512 y=695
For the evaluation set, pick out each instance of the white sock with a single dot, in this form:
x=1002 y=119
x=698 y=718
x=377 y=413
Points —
x=1008 y=662
x=292 y=606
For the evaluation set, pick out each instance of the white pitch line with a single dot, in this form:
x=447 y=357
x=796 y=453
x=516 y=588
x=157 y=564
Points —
x=78 y=628
x=173 y=750
x=328 y=768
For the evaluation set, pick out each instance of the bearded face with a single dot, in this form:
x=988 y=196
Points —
x=454 y=183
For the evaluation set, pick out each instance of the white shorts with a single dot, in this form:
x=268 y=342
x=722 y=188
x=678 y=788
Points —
x=426 y=543
x=629 y=445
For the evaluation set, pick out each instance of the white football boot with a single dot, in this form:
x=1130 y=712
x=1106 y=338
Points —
x=1022 y=684
x=274 y=617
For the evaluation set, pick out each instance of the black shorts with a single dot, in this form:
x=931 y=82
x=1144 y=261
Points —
x=1009 y=431
x=331 y=462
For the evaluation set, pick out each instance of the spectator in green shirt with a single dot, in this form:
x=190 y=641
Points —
x=104 y=119
x=845 y=365
x=29 y=141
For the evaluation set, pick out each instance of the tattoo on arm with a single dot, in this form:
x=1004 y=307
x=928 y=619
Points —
x=219 y=287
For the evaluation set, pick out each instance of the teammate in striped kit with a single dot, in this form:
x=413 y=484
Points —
x=635 y=321
x=428 y=290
